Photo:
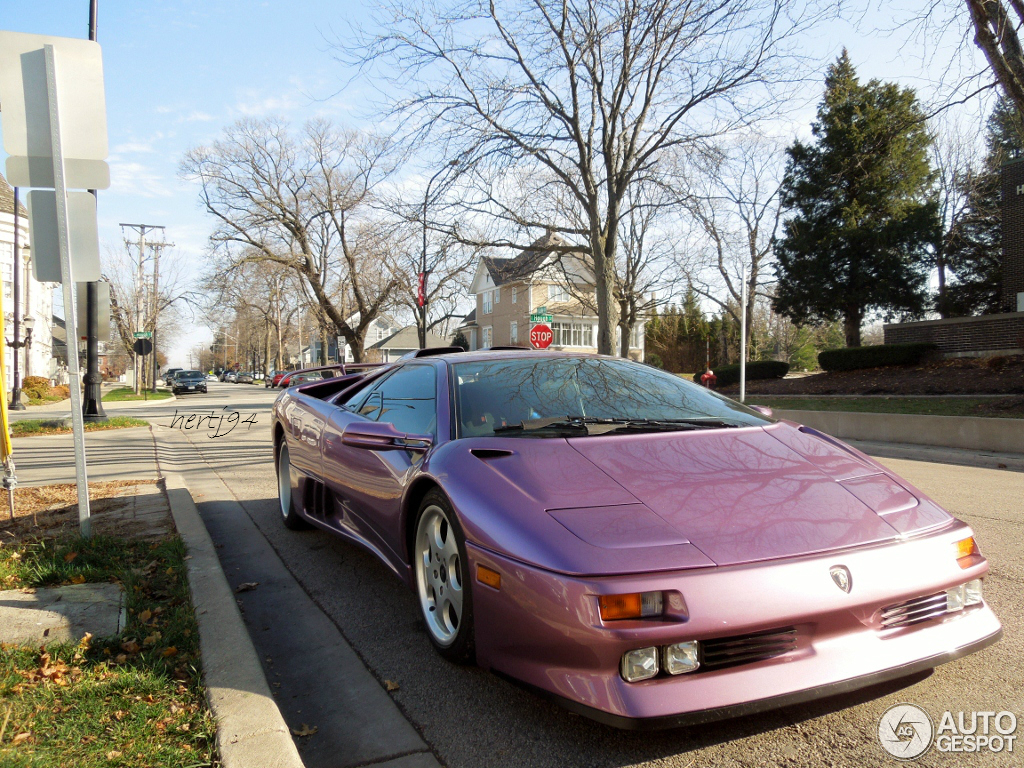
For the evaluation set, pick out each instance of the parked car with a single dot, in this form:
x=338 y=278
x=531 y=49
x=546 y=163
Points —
x=643 y=550
x=231 y=377
x=278 y=375
x=244 y=377
x=188 y=381
x=169 y=375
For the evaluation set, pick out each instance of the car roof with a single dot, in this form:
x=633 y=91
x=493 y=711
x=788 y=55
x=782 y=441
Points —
x=511 y=354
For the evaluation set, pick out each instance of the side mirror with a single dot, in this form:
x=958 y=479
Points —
x=762 y=409
x=382 y=436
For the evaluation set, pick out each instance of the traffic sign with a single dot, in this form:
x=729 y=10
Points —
x=26 y=112
x=82 y=232
x=142 y=346
x=143 y=334
x=541 y=336
x=541 y=318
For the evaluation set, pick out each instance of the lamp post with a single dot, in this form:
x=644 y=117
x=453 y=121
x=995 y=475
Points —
x=421 y=291
x=29 y=322
x=16 y=403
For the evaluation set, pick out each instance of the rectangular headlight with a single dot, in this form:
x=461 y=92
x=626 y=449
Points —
x=639 y=664
x=972 y=593
x=680 y=658
x=955 y=599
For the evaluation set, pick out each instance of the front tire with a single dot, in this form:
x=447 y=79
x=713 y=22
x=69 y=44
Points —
x=443 y=579
x=286 y=501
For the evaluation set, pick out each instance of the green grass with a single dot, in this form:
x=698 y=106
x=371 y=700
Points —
x=1010 y=407
x=134 y=699
x=33 y=427
x=127 y=394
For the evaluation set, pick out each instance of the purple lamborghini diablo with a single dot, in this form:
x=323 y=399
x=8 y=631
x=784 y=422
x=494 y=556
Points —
x=644 y=550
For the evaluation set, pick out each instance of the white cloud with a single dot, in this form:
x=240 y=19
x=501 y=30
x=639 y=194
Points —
x=135 y=178
x=254 y=104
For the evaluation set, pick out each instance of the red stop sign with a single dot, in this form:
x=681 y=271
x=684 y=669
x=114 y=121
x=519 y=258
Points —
x=541 y=336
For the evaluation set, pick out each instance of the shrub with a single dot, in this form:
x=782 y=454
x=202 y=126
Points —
x=761 y=369
x=61 y=392
x=854 y=358
x=655 y=360
x=35 y=382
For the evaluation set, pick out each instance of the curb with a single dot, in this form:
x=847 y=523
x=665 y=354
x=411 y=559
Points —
x=250 y=728
x=971 y=433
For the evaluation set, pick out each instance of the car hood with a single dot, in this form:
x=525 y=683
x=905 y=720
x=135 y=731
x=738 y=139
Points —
x=747 y=494
x=618 y=504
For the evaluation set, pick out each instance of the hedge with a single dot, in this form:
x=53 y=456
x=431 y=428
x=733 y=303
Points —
x=877 y=356
x=761 y=369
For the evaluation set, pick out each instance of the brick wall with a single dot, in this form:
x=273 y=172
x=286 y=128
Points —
x=1013 y=232
x=963 y=336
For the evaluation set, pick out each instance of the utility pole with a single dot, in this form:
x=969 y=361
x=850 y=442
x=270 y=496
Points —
x=157 y=248
x=140 y=287
x=92 y=404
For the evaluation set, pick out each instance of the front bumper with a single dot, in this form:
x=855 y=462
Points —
x=544 y=629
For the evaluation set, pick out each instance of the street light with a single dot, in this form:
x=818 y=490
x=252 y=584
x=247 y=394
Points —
x=421 y=296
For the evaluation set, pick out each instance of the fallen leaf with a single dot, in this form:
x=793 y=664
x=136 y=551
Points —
x=85 y=641
x=112 y=754
x=130 y=646
x=304 y=731
x=246 y=586
x=145 y=616
x=120 y=658
x=78 y=579
x=391 y=685
x=20 y=738
x=168 y=652
x=152 y=639
x=70 y=556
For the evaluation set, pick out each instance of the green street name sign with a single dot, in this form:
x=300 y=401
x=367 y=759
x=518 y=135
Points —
x=541 y=318
x=143 y=334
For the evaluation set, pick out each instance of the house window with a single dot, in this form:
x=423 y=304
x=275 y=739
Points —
x=573 y=334
x=513 y=332
x=497 y=295
x=488 y=306
x=487 y=337
x=558 y=293
x=515 y=296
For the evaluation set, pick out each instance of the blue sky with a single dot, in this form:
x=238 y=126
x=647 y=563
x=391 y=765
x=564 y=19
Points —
x=178 y=71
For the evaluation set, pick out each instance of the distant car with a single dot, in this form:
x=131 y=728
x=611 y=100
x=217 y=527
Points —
x=169 y=375
x=211 y=377
x=326 y=372
x=276 y=380
x=244 y=378
x=303 y=377
x=231 y=377
x=188 y=381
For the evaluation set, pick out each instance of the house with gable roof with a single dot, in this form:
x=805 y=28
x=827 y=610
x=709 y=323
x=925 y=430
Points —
x=539 y=279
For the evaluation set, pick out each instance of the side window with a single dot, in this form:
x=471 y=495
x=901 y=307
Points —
x=406 y=399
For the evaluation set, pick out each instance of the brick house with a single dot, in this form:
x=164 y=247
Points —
x=507 y=291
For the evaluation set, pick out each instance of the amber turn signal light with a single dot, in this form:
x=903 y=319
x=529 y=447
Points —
x=966 y=552
x=486 y=576
x=635 y=605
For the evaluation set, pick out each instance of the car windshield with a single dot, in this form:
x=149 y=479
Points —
x=557 y=396
x=188 y=374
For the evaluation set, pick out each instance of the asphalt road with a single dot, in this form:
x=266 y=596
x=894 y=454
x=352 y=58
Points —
x=471 y=718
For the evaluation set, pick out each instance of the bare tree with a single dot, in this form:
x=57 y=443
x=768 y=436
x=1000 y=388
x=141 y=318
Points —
x=590 y=92
x=996 y=33
x=303 y=204
x=734 y=204
x=127 y=294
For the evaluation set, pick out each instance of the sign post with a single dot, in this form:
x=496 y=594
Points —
x=55 y=134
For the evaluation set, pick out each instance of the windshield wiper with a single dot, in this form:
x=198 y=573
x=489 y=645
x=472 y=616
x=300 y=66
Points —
x=600 y=426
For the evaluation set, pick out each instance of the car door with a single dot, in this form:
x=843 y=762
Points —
x=369 y=484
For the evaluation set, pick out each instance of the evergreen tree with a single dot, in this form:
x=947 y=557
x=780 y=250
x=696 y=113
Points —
x=975 y=252
x=862 y=207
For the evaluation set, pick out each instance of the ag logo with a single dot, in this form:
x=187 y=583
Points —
x=905 y=731
x=841 y=576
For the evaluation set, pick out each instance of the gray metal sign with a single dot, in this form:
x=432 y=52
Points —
x=103 y=310
x=25 y=117
x=82 y=233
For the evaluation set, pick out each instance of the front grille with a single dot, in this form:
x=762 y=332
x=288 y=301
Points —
x=913 y=611
x=746 y=649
